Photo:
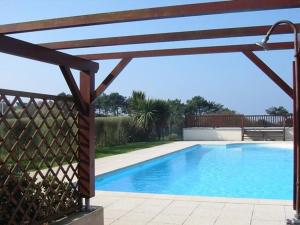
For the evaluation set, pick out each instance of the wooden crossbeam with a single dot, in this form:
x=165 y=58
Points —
x=270 y=73
x=165 y=37
x=113 y=75
x=187 y=51
x=197 y=9
x=74 y=88
x=27 y=50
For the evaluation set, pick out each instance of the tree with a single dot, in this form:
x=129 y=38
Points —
x=112 y=104
x=102 y=104
x=176 y=118
x=135 y=101
x=144 y=117
x=161 y=116
x=117 y=104
x=142 y=111
x=61 y=105
x=196 y=106
x=149 y=114
x=199 y=106
x=226 y=111
x=63 y=94
x=280 y=110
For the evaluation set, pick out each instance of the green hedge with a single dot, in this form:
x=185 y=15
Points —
x=112 y=130
x=117 y=130
x=29 y=139
x=109 y=131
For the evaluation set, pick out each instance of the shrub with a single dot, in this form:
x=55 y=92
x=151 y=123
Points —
x=112 y=130
x=173 y=137
x=109 y=131
x=40 y=200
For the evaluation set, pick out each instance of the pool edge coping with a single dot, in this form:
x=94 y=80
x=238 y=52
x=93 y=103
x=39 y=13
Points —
x=206 y=199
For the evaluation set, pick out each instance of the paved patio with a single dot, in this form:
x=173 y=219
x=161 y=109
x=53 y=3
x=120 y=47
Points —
x=122 y=208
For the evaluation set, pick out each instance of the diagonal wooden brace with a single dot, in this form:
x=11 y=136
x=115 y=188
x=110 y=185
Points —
x=74 y=88
x=270 y=73
x=113 y=75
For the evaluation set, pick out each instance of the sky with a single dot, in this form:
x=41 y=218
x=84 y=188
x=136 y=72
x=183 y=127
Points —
x=230 y=79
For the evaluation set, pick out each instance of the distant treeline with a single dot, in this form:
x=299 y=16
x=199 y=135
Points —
x=139 y=118
x=115 y=104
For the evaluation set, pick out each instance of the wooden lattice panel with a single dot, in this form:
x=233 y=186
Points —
x=38 y=157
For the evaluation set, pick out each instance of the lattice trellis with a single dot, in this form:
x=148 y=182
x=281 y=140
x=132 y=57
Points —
x=38 y=157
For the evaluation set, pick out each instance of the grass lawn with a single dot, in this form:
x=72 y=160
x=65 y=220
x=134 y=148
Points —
x=119 y=149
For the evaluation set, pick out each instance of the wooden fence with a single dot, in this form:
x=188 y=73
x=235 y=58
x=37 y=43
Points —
x=239 y=121
x=39 y=147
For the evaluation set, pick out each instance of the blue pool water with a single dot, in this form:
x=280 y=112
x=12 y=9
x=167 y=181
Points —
x=236 y=170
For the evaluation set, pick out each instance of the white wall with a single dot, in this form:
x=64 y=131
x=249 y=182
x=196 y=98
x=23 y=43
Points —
x=289 y=134
x=221 y=134
x=212 y=134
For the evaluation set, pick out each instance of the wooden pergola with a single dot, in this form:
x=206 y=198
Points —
x=86 y=93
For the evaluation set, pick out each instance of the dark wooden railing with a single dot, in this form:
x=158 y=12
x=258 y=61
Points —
x=239 y=121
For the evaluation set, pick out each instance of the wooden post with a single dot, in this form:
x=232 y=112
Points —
x=87 y=139
x=297 y=133
x=242 y=127
x=284 y=126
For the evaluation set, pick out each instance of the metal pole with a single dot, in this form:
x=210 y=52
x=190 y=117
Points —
x=294 y=139
x=297 y=135
x=296 y=106
x=296 y=110
x=87 y=206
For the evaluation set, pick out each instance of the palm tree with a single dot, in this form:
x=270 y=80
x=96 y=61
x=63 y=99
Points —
x=145 y=116
x=149 y=114
x=135 y=101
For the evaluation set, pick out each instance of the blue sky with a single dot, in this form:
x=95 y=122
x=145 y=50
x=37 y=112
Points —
x=230 y=79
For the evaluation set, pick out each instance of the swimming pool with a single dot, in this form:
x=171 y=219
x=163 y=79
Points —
x=234 y=170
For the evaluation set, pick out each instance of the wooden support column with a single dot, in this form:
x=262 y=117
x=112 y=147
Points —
x=296 y=132
x=294 y=140
x=270 y=73
x=87 y=138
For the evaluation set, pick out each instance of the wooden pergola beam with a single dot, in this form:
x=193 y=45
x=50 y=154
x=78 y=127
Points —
x=113 y=75
x=187 y=51
x=270 y=73
x=150 y=14
x=27 y=50
x=74 y=88
x=165 y=37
